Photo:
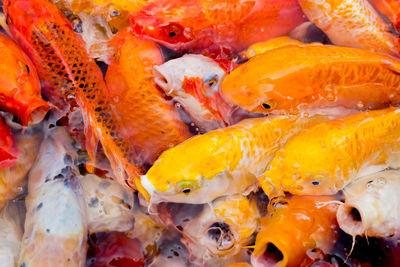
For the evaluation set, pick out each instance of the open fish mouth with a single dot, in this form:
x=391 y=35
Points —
x=221 y=234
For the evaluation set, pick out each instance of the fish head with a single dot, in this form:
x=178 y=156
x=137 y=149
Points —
x=194 y=81
x=170 y=23
x=171 y=75
x=25 y=16
x=369 y=204
x=224 y=226
x=295 y=226
x=195 y=171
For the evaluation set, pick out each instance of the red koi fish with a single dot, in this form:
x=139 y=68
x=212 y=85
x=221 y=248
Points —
x=19 y=84
x=8 y=152
x=222 y=25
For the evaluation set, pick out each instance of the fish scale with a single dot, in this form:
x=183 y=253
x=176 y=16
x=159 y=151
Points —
x=43 y=30
x=292 y=78
x=325 y=157
x=219 y=162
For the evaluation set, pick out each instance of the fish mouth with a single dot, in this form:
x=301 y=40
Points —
x=350 y=219
x=162 y=78
x=221 y=236
x=145 y=187
x=271 y=256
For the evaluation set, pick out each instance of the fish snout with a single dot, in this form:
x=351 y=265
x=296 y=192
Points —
x=220 y=237
x=163 y=77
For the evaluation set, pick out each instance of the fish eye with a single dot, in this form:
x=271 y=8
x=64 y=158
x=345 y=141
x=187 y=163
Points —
x=173 y=30
x=212 y=82
x=185 y=187
x=269 y=105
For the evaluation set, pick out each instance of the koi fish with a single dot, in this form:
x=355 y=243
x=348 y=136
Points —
x=293 y=228
x=221 y=162
x=108 y=205
x=225 y=226
x=193 y=81
x=63 y=63
x=313 y=78
x=10 y=235
x=114 y=12
x=20 y=86
x=96 y=33
x=136 y=100
x=55 y=225
x=371 y=205
x=196 y=25
x=390 y=8
x=352 y=23
x=13 y=178
x=325 y=157
x=262 y=47
x=8 y=152
x=116 y=249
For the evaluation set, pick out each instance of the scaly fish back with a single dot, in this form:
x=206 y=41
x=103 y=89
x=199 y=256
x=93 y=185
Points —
x=292 y=78
x=352 y=23
x=150 y=123
x=325 y=157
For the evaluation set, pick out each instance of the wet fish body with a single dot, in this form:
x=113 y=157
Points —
x=221 y=162
x=325 y=157
x=149 y=123
x=56 y=224
x=223 y=25
x=311 y=78
x=108 y=205
x=8 y=152
x=20 y=86
x=353 y=23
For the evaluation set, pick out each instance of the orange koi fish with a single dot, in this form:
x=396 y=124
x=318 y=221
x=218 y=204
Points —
x=71 y=78
x=296 y=78
x=294 y=228
x=352 y=23
x=8 y=152
x=204 y=24
x=150 y=123
x=390 y=8
x=20 y=86
x=325 y=157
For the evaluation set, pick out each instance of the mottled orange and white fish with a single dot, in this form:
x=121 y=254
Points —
x=221 y=162
x=196 y=25
x=313 y=78
x=354 y=23
x=149 y=123
x=325 y=157
x=19 y=84
x=193 y=81
x=294 y=229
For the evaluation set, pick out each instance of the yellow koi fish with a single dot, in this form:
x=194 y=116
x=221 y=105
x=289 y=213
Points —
x=325 y=157
x=221 y=162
